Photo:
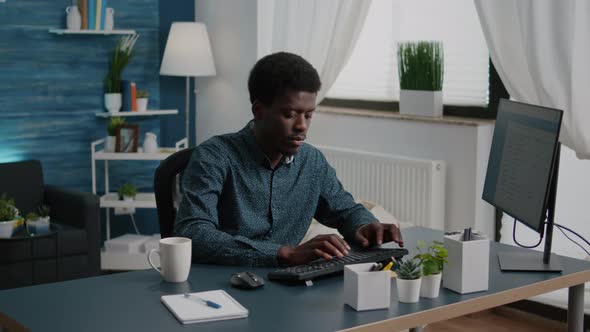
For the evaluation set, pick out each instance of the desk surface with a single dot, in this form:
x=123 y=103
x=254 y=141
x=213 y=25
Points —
x=131 y=301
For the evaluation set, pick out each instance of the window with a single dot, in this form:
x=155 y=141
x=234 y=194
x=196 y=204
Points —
x=371 y=72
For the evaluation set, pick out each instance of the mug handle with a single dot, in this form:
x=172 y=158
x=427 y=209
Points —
x=150 y=258
x=68 y=9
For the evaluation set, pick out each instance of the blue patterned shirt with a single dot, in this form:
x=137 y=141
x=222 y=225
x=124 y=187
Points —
x=239 y=211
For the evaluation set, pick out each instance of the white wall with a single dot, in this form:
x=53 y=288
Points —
x=222 y=101
x=464 y=148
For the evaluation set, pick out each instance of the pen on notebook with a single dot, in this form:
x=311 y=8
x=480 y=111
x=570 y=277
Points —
x=202 y=301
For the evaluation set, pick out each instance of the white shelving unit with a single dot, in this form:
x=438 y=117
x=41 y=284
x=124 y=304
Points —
x=146 y=113
x=124 y=261
x=91 y=32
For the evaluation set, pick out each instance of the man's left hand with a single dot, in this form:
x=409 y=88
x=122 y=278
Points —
x=378 y=233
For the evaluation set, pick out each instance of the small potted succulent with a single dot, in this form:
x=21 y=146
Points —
x=142 y=100
x=127 y=192
x=38 y=223
x=408 y=281
x=10 y=221
x=432 y=259
x=114 y=124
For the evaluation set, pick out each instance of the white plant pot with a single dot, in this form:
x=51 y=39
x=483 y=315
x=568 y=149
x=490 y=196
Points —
x=421 y=103
x=128 y=198
x=430 y=286
x=39 y=225
x=112 y=102
x=109 y=145
x=8 y=228
x=408 y=291
x=142 y=104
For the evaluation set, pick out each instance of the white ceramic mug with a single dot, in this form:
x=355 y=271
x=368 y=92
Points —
x=175 y=258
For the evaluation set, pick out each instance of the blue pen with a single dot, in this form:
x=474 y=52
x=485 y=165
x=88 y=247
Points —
x=202 y=301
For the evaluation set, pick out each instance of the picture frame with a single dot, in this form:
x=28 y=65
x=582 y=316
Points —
x=127 y=138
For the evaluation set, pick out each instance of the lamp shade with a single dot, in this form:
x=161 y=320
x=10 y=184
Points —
x=188 y=51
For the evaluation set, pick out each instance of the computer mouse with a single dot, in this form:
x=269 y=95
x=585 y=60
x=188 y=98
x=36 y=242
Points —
x=246 y=280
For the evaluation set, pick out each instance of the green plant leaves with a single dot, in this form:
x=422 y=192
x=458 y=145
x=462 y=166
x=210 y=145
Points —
x=421 y=65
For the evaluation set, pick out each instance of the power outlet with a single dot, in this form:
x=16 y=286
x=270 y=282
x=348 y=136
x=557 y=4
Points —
x=124 y=210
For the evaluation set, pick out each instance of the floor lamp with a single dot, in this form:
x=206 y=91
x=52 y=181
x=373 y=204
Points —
x=188 y=54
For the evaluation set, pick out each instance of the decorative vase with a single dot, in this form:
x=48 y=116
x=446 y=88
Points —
x=73 y=19
x=142 y=104
x=408 y=290
x=421 y=103
x=112 y=102
x=150 y=143
x=430 y=286
x=110 y=142
x=109 y=19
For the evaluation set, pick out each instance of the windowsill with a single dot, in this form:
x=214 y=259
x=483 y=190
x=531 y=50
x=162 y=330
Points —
x=452 y=120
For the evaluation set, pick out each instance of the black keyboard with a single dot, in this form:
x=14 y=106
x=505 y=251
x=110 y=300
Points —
x=323 y=267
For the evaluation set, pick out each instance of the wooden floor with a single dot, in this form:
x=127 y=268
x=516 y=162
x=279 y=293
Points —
x=501 y=319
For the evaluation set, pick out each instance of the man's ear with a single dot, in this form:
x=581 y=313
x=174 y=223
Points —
x=258 y=110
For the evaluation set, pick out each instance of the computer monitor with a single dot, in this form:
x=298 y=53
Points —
x=521 y=178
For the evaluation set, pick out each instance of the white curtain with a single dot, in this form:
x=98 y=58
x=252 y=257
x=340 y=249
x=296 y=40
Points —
x=541 y=49
x=323 y=32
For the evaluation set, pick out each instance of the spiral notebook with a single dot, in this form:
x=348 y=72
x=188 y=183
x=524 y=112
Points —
x=189 y=311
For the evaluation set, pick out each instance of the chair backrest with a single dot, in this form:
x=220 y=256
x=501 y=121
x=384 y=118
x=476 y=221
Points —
x=23 y=181
x=164 y=188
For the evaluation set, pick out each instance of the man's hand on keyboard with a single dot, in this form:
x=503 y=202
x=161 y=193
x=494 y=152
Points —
x=378 y=233
x=321 y=246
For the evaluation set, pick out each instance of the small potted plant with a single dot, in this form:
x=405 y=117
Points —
x=408 y=281
x=114 y=124
x=142 y=100
x=432 y=259
x=10 y=221
x=38 y=223
x=421 y=69
x=112 y=82
x=127 y=192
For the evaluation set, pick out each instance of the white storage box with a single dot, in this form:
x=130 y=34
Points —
x=366 y=290
x=128 y=243
x=469 y=262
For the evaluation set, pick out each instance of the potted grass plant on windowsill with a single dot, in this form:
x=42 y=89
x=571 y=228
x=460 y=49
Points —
x=421 y=71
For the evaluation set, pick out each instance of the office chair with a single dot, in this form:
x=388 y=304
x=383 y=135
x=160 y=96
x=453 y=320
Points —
x=165 y=186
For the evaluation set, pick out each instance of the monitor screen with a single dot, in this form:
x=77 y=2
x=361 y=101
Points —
x=521 y=161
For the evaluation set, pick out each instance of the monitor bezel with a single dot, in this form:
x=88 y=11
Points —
x=541 y=228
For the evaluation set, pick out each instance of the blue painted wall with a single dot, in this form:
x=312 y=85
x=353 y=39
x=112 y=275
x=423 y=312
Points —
x=173 y=89
x=51 y=86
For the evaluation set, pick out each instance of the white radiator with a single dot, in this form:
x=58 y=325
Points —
x=412 y=190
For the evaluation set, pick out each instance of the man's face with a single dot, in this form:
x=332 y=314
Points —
x=285 y=122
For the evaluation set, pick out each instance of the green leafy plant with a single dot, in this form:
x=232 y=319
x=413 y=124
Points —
x=8 y=210
x=43 y=212
x=409 y=270
x=421 y=65
x=143 y=94
x=127 y=190
x=115 y=123
x=431 y=257
x=121 y=57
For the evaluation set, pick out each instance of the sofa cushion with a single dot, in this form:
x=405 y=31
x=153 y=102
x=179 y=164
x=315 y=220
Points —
x=72 y=241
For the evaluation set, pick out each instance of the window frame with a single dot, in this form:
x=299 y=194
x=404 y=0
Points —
x=496 y=91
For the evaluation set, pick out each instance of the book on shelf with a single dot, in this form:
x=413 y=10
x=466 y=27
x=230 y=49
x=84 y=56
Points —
x=133 y=97
x=97 y=13
x=126 y=95
x=91 y=14
x=83 y=7
x=103 y=13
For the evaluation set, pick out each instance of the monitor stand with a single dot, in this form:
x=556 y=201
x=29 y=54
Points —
x=536 y=260
x=528 y=261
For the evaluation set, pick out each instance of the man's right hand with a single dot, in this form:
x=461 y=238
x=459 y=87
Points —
x=321 y=246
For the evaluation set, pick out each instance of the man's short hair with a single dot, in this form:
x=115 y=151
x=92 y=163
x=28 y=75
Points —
x=275 y=74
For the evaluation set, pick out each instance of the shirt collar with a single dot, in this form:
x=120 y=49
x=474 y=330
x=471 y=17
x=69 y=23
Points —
x=254 y=147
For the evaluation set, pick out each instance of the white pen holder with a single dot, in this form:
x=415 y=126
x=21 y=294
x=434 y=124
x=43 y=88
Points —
x=469 y=262
x=366 y=290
